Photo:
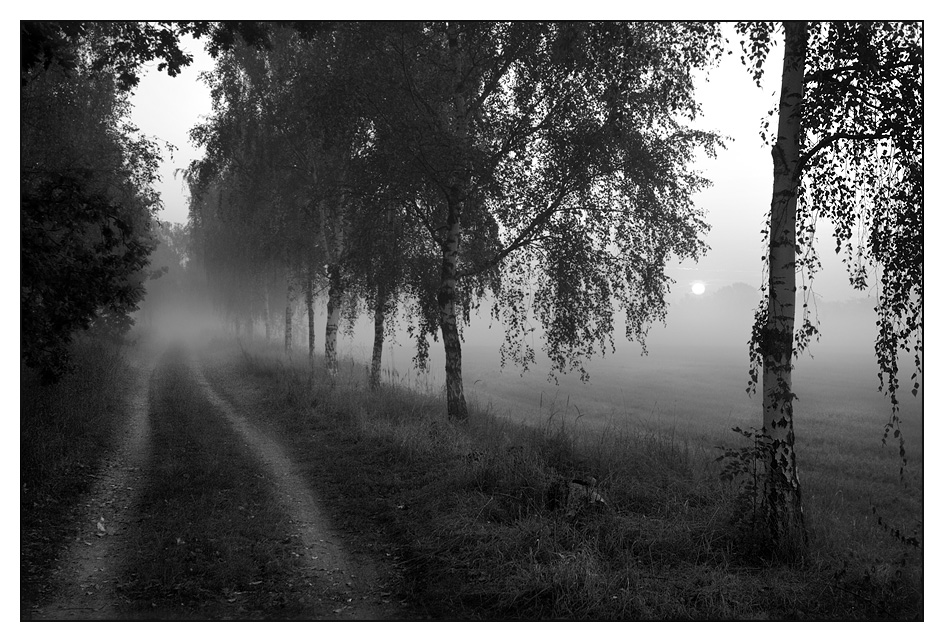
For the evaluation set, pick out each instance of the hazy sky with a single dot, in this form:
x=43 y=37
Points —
x=167 y=108
x=742 y=175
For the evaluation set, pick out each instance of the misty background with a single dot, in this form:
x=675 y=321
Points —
x=695 y=374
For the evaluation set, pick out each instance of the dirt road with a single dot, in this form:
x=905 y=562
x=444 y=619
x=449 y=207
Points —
x=90 y=574
x=329 y=562
x=85 y=574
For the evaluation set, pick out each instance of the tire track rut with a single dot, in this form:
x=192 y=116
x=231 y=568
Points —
x=327 y=559
x=86 y=574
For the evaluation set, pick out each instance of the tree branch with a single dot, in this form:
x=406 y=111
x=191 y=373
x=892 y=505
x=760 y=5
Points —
x=807 y=156
x=523 y=237
x=825 y=74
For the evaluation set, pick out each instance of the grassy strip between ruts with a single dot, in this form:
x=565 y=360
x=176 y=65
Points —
x=66 y=432
x=471 y=519
x=211 y=540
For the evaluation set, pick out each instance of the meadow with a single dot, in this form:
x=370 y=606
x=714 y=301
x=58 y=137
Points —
x=649 y=429
x=696 y=392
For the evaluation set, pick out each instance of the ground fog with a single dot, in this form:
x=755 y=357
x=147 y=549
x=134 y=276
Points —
x=692 y=382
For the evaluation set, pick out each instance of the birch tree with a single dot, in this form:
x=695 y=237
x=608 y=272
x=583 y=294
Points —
x=562 y=146
x=266 y=191
x=320 y=124
x=291 y=90
x=849 y=148
x=553 y=153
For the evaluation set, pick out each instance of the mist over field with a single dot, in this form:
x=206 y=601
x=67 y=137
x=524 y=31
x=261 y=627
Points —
x=692 y=381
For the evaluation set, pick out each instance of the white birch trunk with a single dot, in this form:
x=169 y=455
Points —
x=334 y=318
x=332 y=247
x=781 y=489
x=289 y=300
x=268 y=316
x=310 y=307
x=377 y=355
x=455 y=396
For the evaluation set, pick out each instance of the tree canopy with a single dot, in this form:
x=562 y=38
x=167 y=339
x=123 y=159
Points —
x=546 y=165
x=86 y=201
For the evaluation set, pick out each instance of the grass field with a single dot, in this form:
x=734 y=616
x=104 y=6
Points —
x=696 y=396
x=484 y=541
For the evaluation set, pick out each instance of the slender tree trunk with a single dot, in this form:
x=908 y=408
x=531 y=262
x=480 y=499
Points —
x=309 y=305
x=781 y=489
x=268 y=315
x=332 y=246
x=379 y=316
x=455 y=396
x=334 y=317
x=289 y=300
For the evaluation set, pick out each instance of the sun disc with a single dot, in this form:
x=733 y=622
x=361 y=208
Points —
x=698 y=288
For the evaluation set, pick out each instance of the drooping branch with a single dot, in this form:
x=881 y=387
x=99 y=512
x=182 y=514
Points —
x=829 y=140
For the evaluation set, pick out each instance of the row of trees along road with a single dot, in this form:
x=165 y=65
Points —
x=544 y=165
x=423 y=167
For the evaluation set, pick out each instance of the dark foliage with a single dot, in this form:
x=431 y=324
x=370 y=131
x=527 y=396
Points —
x=86 y=202
x=77 y=251
x=121 y=47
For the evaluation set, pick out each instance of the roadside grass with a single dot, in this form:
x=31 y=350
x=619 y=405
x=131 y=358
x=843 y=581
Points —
x=67 y=430
x=210 y=541
x=478 y=530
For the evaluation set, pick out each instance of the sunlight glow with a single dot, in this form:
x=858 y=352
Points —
x=698 y=288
